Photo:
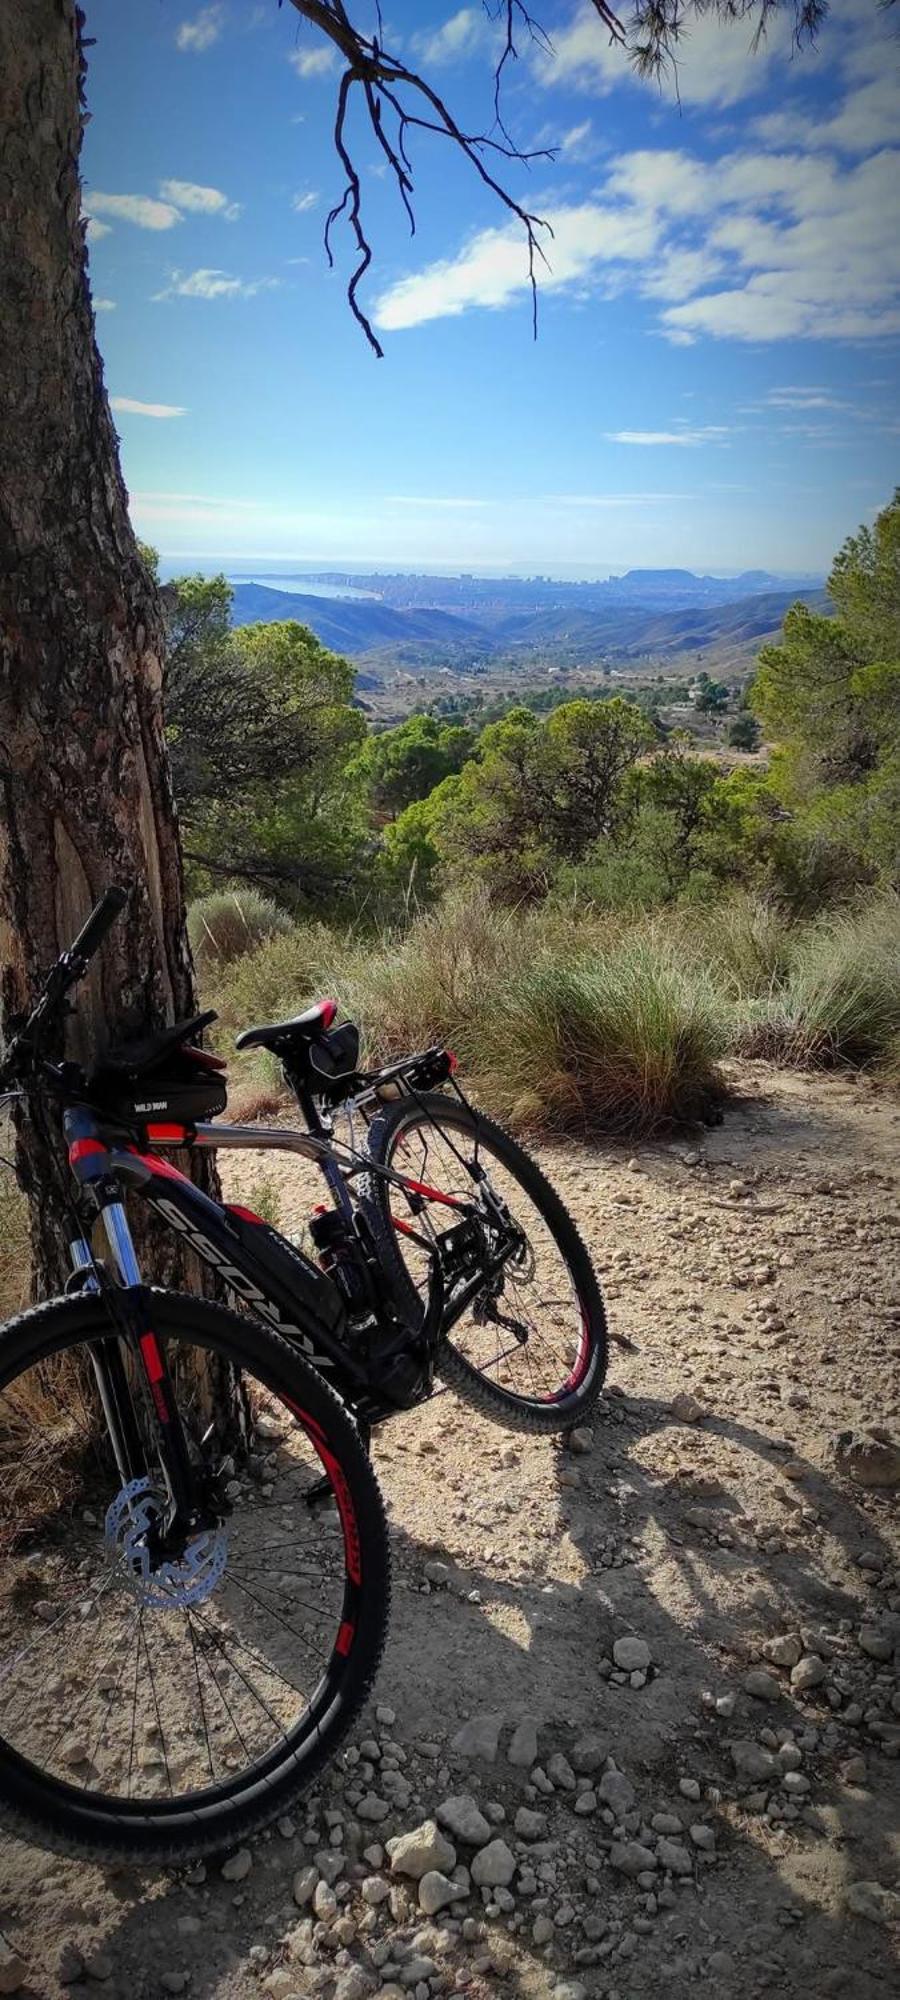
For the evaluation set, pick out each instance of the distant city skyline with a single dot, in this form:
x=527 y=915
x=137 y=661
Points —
x=716 y=381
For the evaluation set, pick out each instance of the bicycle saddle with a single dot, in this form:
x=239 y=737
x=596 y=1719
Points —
x=279 y=1035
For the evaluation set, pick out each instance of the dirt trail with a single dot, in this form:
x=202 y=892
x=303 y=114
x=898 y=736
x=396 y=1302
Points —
x=705 y=1821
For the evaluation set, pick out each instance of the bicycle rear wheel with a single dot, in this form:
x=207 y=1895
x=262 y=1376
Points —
x=161 y=1712
x=530 y=1349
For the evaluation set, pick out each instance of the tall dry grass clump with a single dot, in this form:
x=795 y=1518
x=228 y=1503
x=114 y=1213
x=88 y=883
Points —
x=623 y=1041
x=229 y=922
x=839 y=1004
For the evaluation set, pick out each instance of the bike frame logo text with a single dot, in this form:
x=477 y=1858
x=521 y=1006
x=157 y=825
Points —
x=238 y=1280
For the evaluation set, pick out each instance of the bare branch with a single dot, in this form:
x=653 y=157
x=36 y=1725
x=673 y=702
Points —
x=383 y=80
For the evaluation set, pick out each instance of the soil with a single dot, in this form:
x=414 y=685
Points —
x=752 y=1269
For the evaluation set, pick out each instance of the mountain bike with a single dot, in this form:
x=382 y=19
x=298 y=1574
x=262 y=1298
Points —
x=196 y=1576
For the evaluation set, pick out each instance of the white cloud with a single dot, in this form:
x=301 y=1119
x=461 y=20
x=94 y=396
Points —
x=707 y=434
x=302 y=203
x=130 y=406
x=200 y=33
x=823 y=262
x=200 y=200
x=716 y=62
x=793 y=398
x=94 y=229
x=209 y=284
x=493 y=269
x=578 y=144
x=313 y=62
x=459 y=37
x=141 y=209
x=104 y=305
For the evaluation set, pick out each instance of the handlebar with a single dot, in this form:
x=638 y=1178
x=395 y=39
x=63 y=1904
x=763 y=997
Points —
x=101 y=920
x=70 y=967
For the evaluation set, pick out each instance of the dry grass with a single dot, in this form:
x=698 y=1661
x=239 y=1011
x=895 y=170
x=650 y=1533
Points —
x=839 y=1004
x=229 y=922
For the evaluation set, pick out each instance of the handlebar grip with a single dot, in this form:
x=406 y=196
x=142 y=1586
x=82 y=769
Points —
x=101 y=920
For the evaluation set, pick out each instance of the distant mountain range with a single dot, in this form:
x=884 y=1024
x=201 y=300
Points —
x=623 y=621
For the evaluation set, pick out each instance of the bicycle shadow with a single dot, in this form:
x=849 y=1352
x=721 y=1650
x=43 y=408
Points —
x=529 y=1638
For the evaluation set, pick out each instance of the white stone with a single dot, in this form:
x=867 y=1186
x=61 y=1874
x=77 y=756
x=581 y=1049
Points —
x=424 y=1848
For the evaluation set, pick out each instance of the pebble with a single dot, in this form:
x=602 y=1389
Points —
x=631 y=1654
x=762 y=1686
x=530 y=1825
x=874 y=1643
x=303 y=1887
x=751 y=1760
x=809 y=1672
x=478 y=1737
x=855 y=1771
x=560 y=1771
x=436 y=1891
x=463 y=1818
x=69 y=1965
x=581 y=1442
x=630 y=1857
x=590 y=1754
x=685 y=1409
x=616 y=1791
x=325 y=1902
x=494 y=1866
x=784 y=1651
x=98 y=1965
x=372 y=1808
x=873 y=1901
x=523 y=1748
x=352 y=1984
x=689 y=1788
x=423 y=1849
x=672 y=1855
x=374 y=1890
x=238 y=1866
x=173 y=1982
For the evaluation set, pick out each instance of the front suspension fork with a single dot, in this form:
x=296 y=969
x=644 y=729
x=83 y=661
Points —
x=131 y=1310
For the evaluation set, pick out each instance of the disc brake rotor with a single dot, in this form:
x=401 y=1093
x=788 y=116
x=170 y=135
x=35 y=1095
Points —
x=168 y=1586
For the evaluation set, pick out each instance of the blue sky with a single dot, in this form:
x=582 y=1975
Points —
x=716 y=379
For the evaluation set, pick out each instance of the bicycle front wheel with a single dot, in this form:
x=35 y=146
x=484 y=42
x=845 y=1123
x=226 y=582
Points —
x=530 y=1348
x=162 y=1710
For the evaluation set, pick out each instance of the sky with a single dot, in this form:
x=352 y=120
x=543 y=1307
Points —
x=715 y=382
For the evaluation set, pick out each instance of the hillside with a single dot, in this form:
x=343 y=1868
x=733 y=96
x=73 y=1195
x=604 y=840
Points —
x=352 y=625
x=432 y=639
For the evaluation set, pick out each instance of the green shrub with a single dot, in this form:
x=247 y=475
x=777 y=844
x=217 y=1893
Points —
x=624 y=1041
x=229 y=922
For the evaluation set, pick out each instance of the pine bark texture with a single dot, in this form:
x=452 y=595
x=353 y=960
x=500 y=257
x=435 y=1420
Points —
x=85 y=795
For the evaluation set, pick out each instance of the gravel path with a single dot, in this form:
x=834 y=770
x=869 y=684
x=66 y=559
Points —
x=638 y=1723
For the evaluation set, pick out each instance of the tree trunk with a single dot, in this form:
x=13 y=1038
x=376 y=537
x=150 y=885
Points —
x=85 y=797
